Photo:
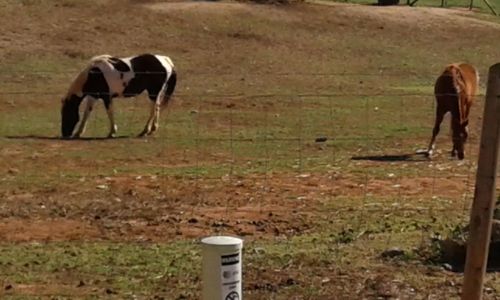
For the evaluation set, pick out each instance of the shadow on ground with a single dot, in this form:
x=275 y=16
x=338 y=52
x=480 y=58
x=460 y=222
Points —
x=40 y=137
x=392 y=158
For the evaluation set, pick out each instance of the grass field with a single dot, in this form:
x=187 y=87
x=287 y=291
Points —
x=236 y=152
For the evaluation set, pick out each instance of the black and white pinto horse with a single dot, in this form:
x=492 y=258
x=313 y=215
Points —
x=107 y=77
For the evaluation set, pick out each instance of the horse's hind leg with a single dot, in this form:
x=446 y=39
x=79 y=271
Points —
x=149 y=124
x=435 y=131
x=154 y=116
x=454 y=129
x=459 y=136
x=163 y=106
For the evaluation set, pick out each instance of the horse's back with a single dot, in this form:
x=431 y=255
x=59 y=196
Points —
x=127 y=76
x=151 y=73
x=457 y=78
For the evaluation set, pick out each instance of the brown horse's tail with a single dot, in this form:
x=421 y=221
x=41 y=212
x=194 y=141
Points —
x=461 y=91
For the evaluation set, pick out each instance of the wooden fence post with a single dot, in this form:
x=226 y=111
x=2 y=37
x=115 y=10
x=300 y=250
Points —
x=484 y=194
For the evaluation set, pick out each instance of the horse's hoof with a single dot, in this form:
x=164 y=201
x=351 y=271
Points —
x=425 y=152
x=111 y=135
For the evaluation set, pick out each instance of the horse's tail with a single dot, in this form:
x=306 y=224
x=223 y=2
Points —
x=171 y=83
x=460 y=87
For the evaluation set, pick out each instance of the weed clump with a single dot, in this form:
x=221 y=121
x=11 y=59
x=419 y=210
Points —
x=450 y=249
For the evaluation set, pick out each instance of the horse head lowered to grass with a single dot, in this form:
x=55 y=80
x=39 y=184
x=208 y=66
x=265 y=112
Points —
x=107 y=77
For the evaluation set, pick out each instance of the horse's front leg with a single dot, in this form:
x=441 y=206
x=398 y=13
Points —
x=113 y=128
x=83 y=124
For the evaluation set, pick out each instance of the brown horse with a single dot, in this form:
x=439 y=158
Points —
x=455 y=89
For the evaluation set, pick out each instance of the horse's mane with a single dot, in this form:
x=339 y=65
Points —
x=77 y=84
x=169 y=61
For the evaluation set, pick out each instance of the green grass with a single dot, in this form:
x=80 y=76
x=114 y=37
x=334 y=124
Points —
x=480 y=5
x=138 y=269
x=127 y=269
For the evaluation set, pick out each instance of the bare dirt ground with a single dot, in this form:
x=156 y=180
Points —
x=164 y=209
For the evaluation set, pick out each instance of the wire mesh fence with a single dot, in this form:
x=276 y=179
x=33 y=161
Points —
x=333 y=169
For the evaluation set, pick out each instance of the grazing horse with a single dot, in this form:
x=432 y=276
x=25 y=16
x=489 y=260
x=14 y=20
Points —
x=107 y=77
x=455 y=89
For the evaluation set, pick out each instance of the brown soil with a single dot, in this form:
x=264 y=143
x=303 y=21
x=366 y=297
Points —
x=149 y=209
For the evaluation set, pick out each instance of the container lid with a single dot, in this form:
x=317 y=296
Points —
x=222 y=241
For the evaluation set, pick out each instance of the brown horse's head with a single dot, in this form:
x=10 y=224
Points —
x=69 y=115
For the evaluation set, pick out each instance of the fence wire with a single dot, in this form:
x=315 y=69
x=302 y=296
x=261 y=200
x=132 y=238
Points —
x=249 y=172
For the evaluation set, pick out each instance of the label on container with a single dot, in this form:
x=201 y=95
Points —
x=231 y=276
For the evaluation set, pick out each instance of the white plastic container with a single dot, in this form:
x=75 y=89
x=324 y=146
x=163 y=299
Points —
x=221 y=269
